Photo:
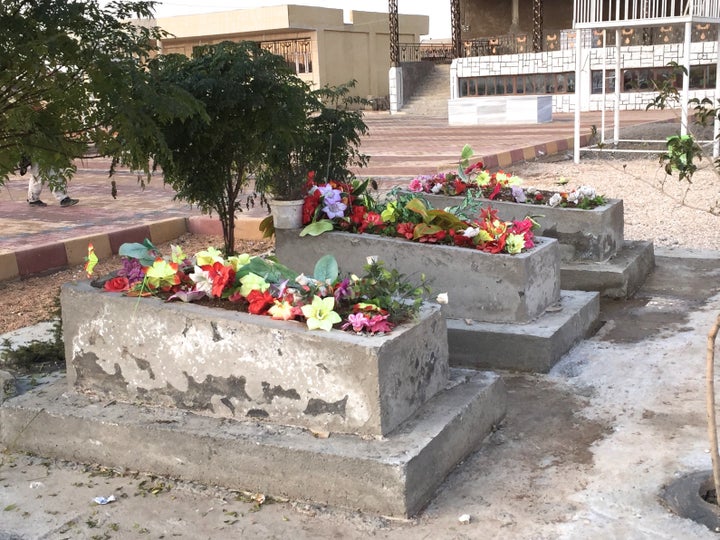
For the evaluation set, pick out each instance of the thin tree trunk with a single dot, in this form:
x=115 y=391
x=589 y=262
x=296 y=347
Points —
x=710 y=401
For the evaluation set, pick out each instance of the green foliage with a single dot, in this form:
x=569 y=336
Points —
x=254 y=104
x=75 y=74
x=667 y=87
x=682 y=151
x=393 y=291
x=327 y=144
x=37 y=355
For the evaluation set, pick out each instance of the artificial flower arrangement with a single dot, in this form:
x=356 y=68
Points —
x=472 y=180
x=371 y=304
x=349 y=207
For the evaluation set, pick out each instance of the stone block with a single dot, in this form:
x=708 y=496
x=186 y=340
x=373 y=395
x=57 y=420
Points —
x=481 y=286
x=535 y=346
x=230 y=364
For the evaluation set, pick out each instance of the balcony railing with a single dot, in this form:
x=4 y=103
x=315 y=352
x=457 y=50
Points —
x=631 y=12
x=297 y=52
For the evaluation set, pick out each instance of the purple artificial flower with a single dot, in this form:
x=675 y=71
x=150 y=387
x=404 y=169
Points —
x=132 y=270
x=518 y=194
x=342 y=291
x=334 y=209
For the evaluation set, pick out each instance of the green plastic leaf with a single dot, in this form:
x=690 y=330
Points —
x=467 y=152
x=317 y=228
x=270 y=271
x=267 y=227
x=359 y=190
x=423 y=229
x=146 y=256
x=417 y=206
x=326 y=269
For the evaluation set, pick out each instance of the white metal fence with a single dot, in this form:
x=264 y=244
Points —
x=629 y=11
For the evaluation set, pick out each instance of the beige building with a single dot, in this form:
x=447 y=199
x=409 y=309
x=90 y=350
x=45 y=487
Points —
x=324 y=46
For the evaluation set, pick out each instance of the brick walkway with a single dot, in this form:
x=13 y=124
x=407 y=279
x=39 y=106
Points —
x=40 y=239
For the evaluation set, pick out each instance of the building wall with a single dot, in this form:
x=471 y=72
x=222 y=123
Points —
x=487 y=18
x=358 y=50
x=564 y=61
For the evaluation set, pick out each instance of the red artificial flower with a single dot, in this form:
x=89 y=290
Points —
x=459 y=186
x=495 y=191
x=474 y=167
x=357 y=215
x=539 y=197
x=373 y=221
x=406 y=230
x=117 y=284
x=310 y=204
x=221 y=276
x=260 y=302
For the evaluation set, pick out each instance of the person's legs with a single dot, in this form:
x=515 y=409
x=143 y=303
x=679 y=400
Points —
x=61 y=195
x=35 y=186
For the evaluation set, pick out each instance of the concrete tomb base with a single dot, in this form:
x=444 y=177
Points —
x=395 y=475
x=225 y=363
x=536 y=346
x=620 y=276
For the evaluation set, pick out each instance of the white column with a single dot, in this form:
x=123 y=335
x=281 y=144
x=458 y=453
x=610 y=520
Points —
x=716 y=130
x=618 y=87
x=578 y=68
x=396 y=89
x=515 y=26
x=686 y=80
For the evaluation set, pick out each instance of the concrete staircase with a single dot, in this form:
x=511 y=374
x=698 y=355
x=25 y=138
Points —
x=431 y=97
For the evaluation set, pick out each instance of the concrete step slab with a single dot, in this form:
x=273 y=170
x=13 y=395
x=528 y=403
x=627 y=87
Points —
x=535 y=346
x=396 y=475
x=618 y=277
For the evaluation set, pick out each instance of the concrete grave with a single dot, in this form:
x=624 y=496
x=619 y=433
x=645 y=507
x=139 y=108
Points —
x=594 y=254
x=504 y=311
x=231 y=364
x=178 y=390
x=485 y=287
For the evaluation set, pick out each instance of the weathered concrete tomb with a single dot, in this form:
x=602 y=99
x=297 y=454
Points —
x=237 y=399
x=594 y=255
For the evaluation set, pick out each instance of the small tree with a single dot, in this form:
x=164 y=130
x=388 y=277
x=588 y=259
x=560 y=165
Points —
x=75 y=74
x=253 y=102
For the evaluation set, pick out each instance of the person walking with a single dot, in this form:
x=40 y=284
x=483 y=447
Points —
x=35 y=186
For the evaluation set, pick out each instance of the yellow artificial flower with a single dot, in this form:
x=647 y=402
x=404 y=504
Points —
x=209 y=256
x=253 y=282
x=320 y=314
x=238 y=261
x=514 y=243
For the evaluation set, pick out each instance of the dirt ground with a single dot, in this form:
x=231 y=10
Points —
x=582 y=454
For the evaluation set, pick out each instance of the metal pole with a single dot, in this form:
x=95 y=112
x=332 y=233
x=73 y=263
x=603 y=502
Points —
x=537 y=26
x=604 y=76
x=394 y=33
x=455 y=22
x=716 y=128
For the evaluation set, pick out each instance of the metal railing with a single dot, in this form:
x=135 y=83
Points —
x=297 y=52
x=619 y=11
x=440 y=53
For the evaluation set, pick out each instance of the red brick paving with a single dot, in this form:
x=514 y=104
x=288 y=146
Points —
x=400 y=148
